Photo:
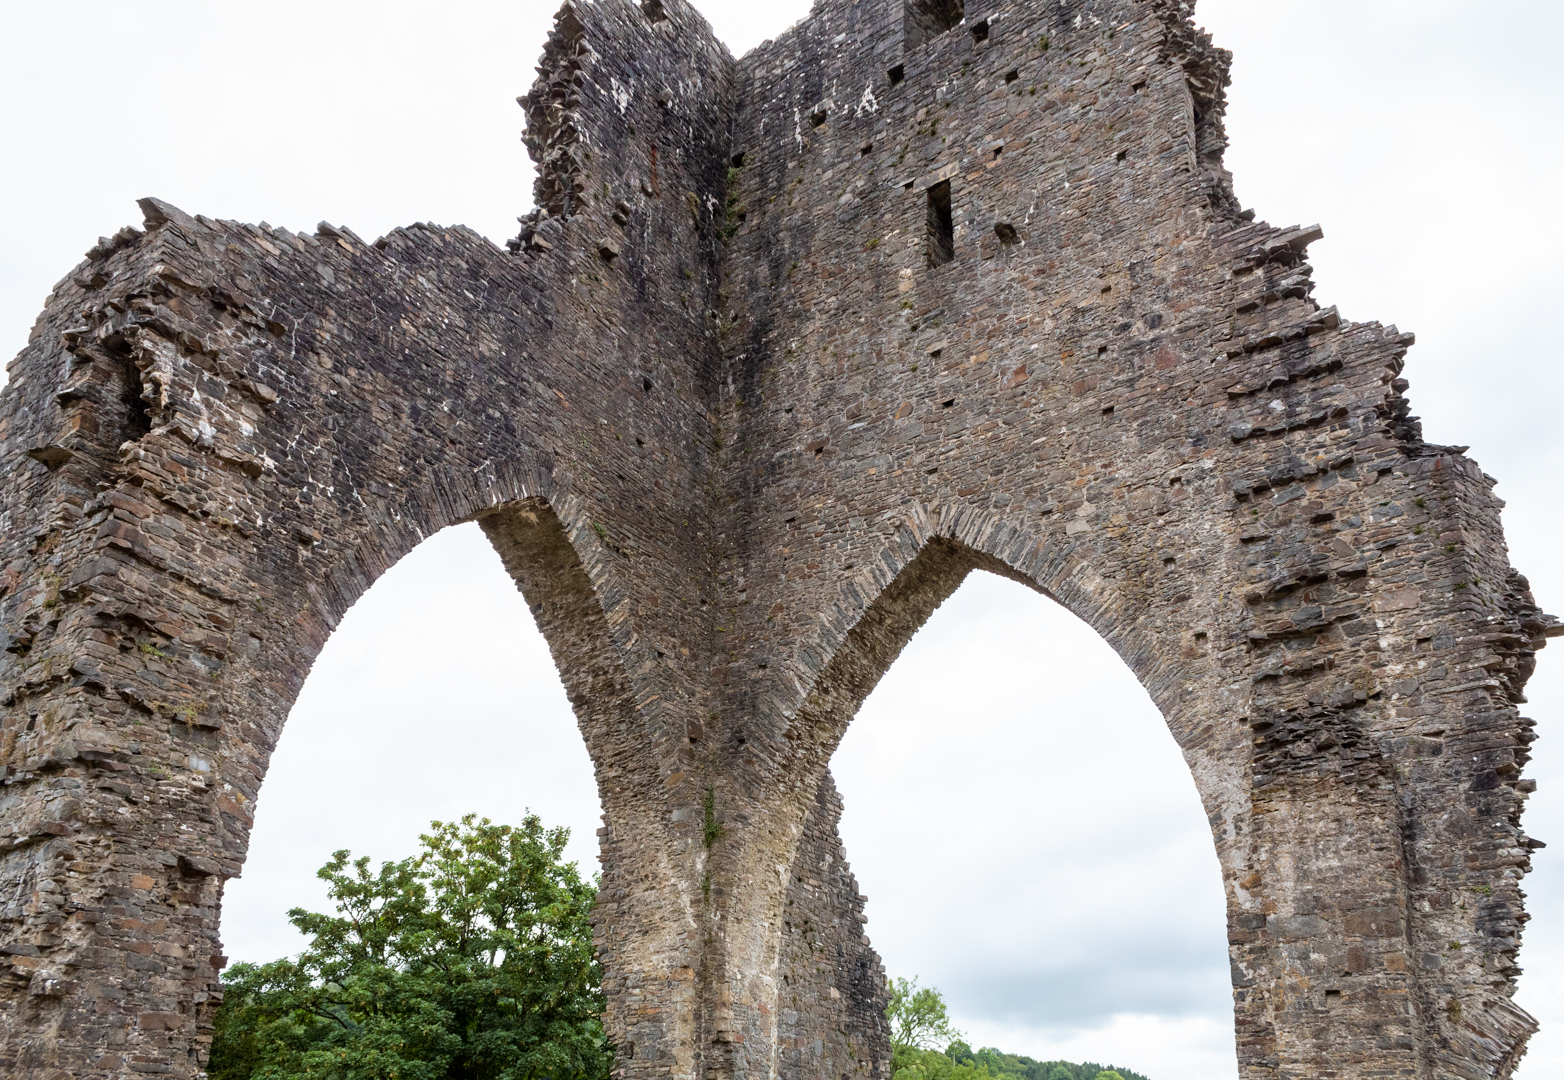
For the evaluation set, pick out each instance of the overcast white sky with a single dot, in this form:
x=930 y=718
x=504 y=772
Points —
x=1017 y=813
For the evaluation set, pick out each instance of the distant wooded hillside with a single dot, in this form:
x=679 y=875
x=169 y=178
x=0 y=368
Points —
x=920 y=1021
x=960 y=1062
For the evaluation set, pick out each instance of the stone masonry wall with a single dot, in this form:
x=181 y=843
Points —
x=789 y=345
x=831 y=1004
x=1121 y=389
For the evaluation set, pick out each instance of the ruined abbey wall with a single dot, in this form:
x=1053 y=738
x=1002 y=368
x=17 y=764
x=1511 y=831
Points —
x=790 y=345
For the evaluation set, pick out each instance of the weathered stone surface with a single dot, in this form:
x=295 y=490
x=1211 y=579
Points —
x=793 y=344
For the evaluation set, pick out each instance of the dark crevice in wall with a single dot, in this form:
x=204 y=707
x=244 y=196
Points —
x=138 y=417
x=928 y=19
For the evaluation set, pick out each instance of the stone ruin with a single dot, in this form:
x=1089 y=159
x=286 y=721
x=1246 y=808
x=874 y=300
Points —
x=792 y=343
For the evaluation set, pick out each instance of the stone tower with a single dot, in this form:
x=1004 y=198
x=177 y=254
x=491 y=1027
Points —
x=792 y=344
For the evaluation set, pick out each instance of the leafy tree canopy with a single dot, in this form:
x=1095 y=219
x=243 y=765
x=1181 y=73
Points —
x=918 y=1017
x=472 y=960
x=920 y=1021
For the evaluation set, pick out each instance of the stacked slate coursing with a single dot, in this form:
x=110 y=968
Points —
x=1201 y=418
x=831 y=1003
x=789 y=346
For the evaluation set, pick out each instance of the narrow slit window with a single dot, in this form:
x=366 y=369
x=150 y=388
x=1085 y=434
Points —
x=942 y=229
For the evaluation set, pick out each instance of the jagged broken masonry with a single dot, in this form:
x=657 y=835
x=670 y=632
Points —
x=790 y=345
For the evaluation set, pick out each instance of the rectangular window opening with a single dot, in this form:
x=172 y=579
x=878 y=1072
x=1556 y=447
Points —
x=941 y=227
x=896 y=74
x=925 y=20
x=654 y=11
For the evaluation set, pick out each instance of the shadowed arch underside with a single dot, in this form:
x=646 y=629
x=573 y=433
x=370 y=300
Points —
x=791 y=344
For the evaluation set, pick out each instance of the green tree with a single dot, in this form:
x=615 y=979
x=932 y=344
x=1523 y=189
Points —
x=918 y=1017
x=919 y=1023
x=473 y=960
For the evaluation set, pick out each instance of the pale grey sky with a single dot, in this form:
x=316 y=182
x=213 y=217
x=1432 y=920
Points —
x=1017 y=813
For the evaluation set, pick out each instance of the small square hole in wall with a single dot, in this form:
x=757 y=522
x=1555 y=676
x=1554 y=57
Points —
x=817 y=118
x=1108 y=411
x=1012 y=75
x=866 y=149
x=896 y=74
x=654 y=11
x=1006 y=232
x=738 y=160
x=980 y=31
x=1102 y=350
x=1121 y=155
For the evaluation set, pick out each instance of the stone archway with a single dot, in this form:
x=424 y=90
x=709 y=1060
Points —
x=1333 y=825
x=783 y=331
x=1032 y=841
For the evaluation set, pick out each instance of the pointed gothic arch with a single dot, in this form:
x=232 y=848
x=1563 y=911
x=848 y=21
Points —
x=719 y=337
